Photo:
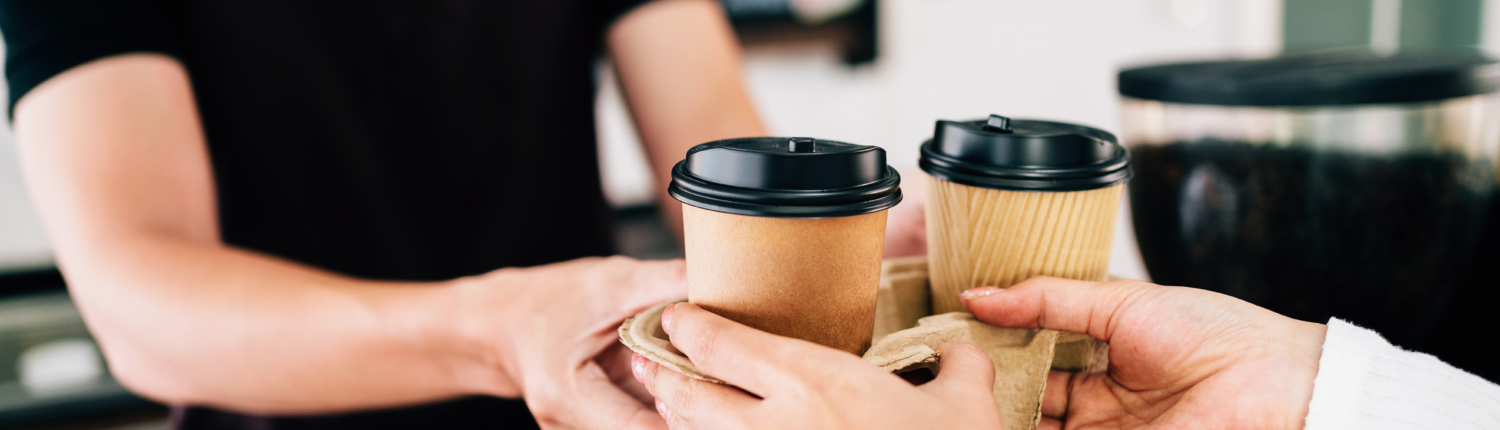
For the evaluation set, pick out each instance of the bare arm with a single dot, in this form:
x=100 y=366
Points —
x=115 y=158
x=679 y=65
x=116 y=161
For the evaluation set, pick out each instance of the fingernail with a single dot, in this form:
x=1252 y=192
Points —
x=978 y=292
x=666 y=318
x=638 y=367
x=661 y=408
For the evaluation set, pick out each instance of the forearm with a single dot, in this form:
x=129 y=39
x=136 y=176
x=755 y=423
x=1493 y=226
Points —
x=728 y=114
x=117 y=166
x=723 y=114
x=187 y=322
x=679 y=66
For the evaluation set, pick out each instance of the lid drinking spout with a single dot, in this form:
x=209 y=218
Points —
x=998 y=124
x=802 y=145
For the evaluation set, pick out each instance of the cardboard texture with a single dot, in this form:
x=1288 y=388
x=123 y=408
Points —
x=904 y=297
x=1021 y=358
x=1077 y=352
x=907 y=338
x=644 y=335
x=983 y=237
x=811 y=279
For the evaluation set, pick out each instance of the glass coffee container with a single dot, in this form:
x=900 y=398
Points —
x=1334 y=184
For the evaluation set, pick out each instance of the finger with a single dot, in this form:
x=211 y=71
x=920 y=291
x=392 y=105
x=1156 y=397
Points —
x=648 y=284
x=1049 y=424
x=673 y=423
x=1055 y=396
x=656 y=282
x=598 y=403
x=963 y=371
x=689 y=402
x=616 y=362
x=1055 y=303
x=751 y=359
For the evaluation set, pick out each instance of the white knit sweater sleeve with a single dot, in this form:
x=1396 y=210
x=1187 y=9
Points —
x=1364 y=382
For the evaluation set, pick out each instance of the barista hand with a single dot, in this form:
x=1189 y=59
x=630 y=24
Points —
x=794 y=384
x=558 y=340
x=1178 y=357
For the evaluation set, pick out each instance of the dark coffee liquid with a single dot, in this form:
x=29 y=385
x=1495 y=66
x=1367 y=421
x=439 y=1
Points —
x=1380 y=240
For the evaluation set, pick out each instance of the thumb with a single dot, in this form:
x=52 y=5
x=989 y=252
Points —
x=657 y=281
x=963 y=372
x=1059 y=304
x=668 y=276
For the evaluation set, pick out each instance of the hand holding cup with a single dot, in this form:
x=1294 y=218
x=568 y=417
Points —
x=787 y=383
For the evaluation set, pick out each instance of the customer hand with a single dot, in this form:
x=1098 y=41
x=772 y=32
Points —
x=791 y=384
x=1178 y=357
x=558 y=340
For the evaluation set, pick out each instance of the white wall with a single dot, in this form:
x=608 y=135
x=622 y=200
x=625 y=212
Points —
x=963 y=59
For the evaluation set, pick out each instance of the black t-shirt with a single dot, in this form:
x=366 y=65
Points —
x=384 y=139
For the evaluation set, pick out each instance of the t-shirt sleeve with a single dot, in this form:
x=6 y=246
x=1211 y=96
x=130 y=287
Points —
x=613 y=10
x=44 y=38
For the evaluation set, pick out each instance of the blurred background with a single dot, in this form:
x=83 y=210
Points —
x=875 y=72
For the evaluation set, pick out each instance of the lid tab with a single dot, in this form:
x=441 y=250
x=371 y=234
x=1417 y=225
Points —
x=1025 y=155
x=786 y=178
x=998 y=124
x=802 y=144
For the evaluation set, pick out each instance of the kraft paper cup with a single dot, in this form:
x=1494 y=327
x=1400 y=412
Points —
x=785 y=234
x=811 y=279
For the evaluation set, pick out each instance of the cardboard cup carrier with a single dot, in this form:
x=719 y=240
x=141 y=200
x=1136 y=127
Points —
x=785 y=234
x=907 y=339
x=1012 y=199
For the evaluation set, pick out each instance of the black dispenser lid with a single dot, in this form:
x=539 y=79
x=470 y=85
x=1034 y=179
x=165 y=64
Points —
x=1025 y=155
x=1337 y=77
x=786 y=178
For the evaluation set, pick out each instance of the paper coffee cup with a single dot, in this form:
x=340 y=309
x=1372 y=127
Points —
x=1012 y=199
x=786 y=235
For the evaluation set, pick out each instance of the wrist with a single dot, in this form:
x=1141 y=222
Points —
x=1308 y=345
x=476 y=337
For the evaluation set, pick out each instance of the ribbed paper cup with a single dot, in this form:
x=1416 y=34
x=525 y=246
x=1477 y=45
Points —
x=811 y=279
x=984 y=237
x=1012 y=199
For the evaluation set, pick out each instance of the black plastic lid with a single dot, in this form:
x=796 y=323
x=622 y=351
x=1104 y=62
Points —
x=1025 y=155
x=786 y=177
x=1339 y=77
